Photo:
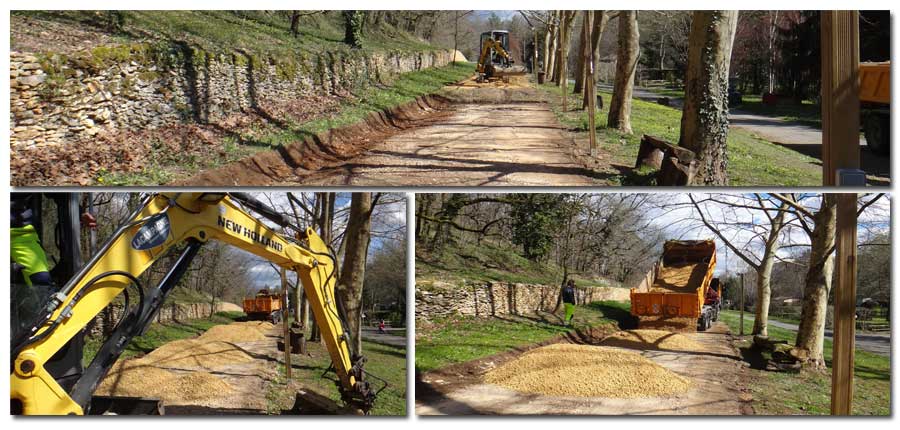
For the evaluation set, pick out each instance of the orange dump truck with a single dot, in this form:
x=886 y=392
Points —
x=875 y=105
x=264 y=306
x=680 y=285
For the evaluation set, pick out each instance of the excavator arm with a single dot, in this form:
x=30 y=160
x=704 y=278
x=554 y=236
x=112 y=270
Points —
x=484 y=60
x=165 y=222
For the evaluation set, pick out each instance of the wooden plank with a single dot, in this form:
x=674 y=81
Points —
x=844 y=307
x=840 y=93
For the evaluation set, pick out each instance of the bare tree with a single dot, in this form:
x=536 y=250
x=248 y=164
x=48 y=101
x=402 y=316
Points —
x=770 y=237
x=704 y=119
x=820 y=224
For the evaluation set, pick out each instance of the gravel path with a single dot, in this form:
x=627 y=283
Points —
x=515 y=144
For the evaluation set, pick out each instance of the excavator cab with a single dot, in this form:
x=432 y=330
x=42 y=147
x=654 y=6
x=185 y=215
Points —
x=57 y=222
x=501 y=38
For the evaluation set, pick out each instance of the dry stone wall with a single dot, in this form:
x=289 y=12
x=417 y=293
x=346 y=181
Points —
x=438 y=299
x=54 y=98
x=170 y=312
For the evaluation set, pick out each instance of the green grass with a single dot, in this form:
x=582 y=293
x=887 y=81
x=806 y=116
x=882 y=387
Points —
x=806 y=113
x=751 y=161
x=460 y=339
x=162 y=333
x=494 y=263
x=810 y=392
x=387 y=362
x=262 y=33
x=374 y=98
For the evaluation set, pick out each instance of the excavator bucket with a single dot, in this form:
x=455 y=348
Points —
x=311 y=403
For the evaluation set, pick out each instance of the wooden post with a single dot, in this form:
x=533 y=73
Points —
x=285 y=321
x=840 y=93
x=564 y=58
x=742 y=305
x=844 y=307
x=589 y=83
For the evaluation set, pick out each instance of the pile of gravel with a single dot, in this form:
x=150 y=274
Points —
x=567 y=370
x=652 y=339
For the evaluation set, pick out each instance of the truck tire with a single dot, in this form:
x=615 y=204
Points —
x=877 y=129
x=703 y=323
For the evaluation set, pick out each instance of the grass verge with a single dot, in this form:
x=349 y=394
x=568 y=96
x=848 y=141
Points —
x=751 y=161
x=810 y=392
x=385 y=361
x=460 y=339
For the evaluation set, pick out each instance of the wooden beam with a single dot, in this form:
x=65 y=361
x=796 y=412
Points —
x=840 y=93
x=285 y=320
x=844 y=307
x=742 y=304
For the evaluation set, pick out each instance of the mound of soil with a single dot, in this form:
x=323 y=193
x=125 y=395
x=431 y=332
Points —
x=587 y=371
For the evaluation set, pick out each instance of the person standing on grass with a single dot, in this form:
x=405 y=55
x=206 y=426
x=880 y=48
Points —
x=568 y=298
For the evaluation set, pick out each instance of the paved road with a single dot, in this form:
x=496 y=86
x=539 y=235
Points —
x=795 y=136
x=372 y=335
x=871 y=342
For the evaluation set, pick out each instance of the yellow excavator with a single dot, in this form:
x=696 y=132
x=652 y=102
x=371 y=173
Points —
x=47 y=377
x=495 y=60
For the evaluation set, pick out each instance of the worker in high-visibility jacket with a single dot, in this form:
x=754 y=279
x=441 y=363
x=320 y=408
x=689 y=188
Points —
x=568 y=298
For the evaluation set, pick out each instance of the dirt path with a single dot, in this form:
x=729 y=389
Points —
x=513 y=143
x=716 y=372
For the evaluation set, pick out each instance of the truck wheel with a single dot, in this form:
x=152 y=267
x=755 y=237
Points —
x=702 y=324
x=877 y=129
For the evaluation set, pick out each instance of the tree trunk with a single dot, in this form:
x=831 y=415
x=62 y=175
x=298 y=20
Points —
x=626 y=64
x=548 y=51
x=598 y=24
x=554 y=42
x=704 y=119
x=295 y=23
x=568 y=18
x=764 y=275
x=811 y=334
x=580 y=69
x=353 y=269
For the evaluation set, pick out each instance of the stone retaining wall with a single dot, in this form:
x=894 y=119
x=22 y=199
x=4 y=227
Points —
x=170 y=312
x=54 y=98
x=484 y=299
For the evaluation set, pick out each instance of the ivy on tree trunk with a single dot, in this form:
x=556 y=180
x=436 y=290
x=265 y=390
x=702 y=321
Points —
x=704 y=119
x=353 y=27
